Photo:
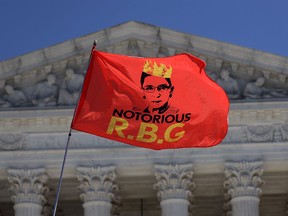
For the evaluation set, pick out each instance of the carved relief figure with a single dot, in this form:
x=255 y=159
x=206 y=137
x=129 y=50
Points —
x=133 y=48
x=212 y=75
x=278 y=93
x=229 y=84
x=256 y=90
x=14 y=98
x=46 y=92
x=70 y=88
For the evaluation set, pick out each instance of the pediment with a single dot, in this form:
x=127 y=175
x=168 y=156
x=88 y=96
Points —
x=53 y=76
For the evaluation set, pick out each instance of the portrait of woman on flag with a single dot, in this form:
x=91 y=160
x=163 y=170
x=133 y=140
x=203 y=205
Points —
x=157 y=87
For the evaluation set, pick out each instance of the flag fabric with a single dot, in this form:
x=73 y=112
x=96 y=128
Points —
x=156 y=103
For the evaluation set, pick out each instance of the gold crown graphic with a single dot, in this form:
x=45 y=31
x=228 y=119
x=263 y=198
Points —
x=155 y=70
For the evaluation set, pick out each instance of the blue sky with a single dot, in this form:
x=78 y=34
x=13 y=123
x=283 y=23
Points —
x=28 y=25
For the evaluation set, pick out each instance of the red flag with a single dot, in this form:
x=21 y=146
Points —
x=156 y=103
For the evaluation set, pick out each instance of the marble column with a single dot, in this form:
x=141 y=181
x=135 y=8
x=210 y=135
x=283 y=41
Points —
x=28 y=189
x=98 y=190
x=243 y=182
x=174 y=186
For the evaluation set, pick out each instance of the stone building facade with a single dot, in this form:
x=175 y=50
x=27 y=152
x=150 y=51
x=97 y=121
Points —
x=245 y=175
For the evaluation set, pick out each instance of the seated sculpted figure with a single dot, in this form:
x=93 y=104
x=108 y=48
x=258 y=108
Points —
x=229 y=84
x=255 y=90
x=46 y=92
x=13 y=98
x=279 y=93
x=70 y=88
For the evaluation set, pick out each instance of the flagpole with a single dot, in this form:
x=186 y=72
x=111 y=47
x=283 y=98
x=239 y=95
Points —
x=66 y=148
x=61 y=175
x=141 y=207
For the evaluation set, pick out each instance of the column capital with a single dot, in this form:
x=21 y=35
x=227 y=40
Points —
x=97 y=183
x=174 y=181
x=28 y=185
x=243 y=178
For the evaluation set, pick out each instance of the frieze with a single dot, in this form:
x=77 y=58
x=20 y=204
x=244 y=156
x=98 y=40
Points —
x=257 y=133
x=235 y=135
x=284 y=131
x=272 y=133
x=11 y=142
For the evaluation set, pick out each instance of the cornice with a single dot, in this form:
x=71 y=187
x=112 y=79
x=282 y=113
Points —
x=148 y=33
